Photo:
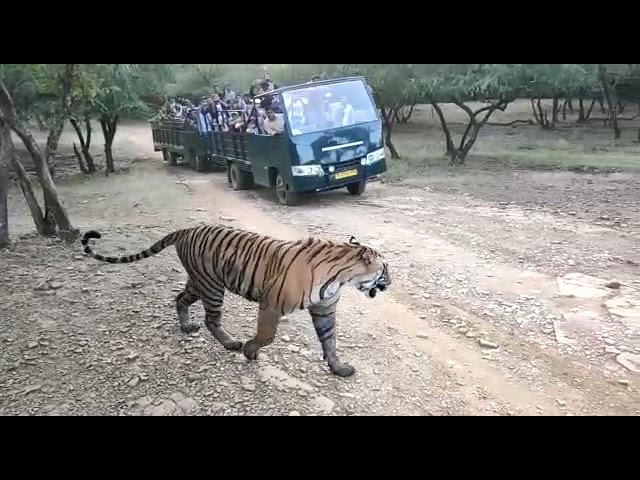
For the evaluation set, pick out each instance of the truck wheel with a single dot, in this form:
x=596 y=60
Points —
x=190 y=158
x=283 y=195
x=238 y=179
x=357 y=188
x=197 y=162
x=165 y=155
x=173 y=159
x=201 y=163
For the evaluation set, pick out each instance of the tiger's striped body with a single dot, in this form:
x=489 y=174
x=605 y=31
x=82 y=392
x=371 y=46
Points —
x=281 y=276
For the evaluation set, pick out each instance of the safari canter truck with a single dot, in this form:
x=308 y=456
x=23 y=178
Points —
x=332 y=139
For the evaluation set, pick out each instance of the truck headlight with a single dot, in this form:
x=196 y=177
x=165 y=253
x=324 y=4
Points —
x=307 y=171
x=373 y=157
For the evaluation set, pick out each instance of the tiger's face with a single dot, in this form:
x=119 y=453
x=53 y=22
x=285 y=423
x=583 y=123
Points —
x=372 y=273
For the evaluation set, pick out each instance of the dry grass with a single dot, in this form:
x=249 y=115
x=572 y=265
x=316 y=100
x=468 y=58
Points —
x=591 y=147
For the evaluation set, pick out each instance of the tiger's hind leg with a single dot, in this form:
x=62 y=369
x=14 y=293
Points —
x=213 y=320
x=267 y=327
x=184 y=300
x=324 y=322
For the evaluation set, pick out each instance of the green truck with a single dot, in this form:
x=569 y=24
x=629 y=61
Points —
x=332 y=138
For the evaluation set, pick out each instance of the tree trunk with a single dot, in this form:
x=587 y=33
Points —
x=387 y=119
x=445 y=128
x=87 y=146
x=405 y=114
x=109 y=125
x=459 y=154
x=6 y=144
x=569 y=103
x=53 y=139
x=29 y=195
x=593 y=104
x=85 y=160
x=6 y=152
x=66 y=79
x=609 y=95
x=8 y=113
x=535 y=112
x=601 y=103
x=473 y=129
x=581 y=117
x=81 y=163
x=540 y=114
x=554 y=113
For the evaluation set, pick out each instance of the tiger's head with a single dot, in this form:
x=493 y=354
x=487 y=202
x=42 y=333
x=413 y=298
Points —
x=370 y=273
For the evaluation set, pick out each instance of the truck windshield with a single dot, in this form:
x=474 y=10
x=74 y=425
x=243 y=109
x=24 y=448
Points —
x=323 y=107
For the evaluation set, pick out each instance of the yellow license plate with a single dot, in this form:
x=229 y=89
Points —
x=347 y=174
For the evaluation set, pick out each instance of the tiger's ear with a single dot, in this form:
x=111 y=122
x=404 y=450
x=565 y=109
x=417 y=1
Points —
x=353 y=241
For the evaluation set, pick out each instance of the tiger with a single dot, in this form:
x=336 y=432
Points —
x=281 y=276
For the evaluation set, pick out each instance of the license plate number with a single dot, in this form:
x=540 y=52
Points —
x=346 y=174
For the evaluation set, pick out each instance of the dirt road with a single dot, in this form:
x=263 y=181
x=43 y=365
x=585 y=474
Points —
x=498 y=306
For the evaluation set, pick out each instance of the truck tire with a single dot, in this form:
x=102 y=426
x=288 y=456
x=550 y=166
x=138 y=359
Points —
x=284 y=196
x=201 y=163
x=165 y=155
x=238 y=179
x=195 y=161
x=173 y=159
x=357 y=188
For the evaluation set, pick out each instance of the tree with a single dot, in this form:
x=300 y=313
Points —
x=297 y=73
x=394 y=87
x=609 y=91
x=9 y=116
x=199 y=80
x=5 y=158
x=116 y=98
x=556 y=81
x=48 y=99
x=494 y=84
x=42 y=92
x=620 y=84
x=62 y=83
x=83 y=108
x=25 y=184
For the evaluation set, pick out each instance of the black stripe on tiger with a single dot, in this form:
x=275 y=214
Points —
x=154 y=249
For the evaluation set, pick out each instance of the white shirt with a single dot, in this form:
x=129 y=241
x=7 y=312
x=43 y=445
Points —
x=348 y=115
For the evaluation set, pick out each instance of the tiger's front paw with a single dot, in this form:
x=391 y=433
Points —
x=342 y=370
x=189 y=327
x=250 y=350
x=232 y=345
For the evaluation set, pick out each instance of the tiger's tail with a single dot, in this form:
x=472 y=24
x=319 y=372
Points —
x=154 y=249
